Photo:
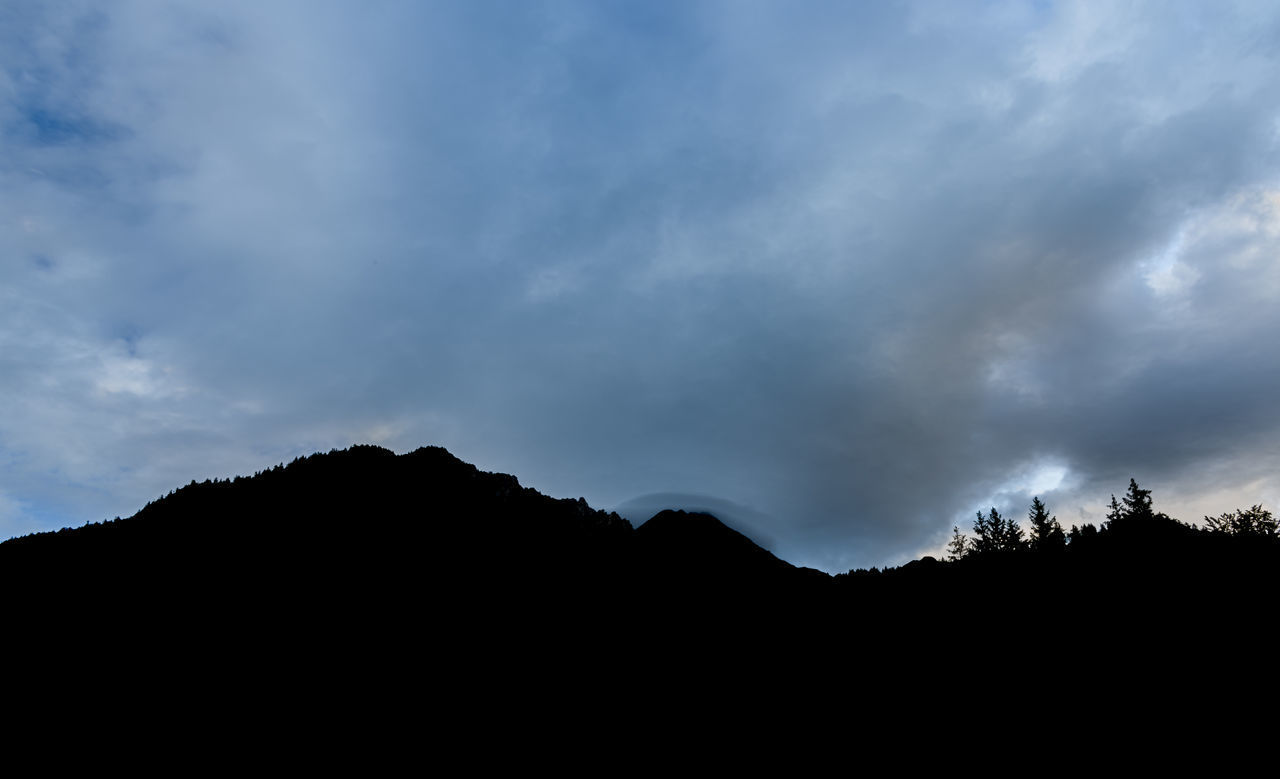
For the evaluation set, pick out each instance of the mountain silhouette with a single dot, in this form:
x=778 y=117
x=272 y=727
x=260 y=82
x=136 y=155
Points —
x=695 y=548
x=344 y=578
x=367 y=526
x=698 y=540
x=363 y=530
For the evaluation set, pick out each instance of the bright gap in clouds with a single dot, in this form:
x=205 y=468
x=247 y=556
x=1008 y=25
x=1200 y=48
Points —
x=1166 y=274
x=1036 y=479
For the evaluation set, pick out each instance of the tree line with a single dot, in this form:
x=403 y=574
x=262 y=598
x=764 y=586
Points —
x=995 y=534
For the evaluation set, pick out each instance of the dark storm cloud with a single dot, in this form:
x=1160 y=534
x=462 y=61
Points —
x=855 y=271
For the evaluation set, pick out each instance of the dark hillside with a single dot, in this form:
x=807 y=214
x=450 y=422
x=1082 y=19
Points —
x=362 y=532
x=353 y=520
x=422 y=553
x=700 y=546
x=344 y=585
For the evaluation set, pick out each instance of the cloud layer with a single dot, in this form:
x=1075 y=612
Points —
x=858 y=270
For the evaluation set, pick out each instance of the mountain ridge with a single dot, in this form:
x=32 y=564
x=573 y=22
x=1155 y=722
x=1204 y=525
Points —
x=382 y=572
x=367 y=525
x=367 y=500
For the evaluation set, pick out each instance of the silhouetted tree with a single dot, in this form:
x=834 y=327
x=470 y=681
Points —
x=994 y=533
x=984 y=535
x=960 y=547
x=1046 y=532
x=1253 y=521
x=1083 y=534
x=1115 y=512
x=1137 y=503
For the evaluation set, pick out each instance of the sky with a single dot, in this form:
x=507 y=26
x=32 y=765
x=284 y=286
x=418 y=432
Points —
x=845 y=272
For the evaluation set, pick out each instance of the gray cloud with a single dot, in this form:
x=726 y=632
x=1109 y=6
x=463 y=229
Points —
x=856 y=271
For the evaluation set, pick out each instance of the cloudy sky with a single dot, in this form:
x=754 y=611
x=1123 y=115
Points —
x=851 y=271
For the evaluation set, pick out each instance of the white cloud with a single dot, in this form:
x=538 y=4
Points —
x=1166 y=274
x=1080 y=35
x=123 y=374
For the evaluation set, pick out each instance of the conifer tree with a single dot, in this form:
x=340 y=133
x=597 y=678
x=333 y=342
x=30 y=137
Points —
x=1081 y=535
x=960 y=546
x=983 y=535
x=1046 y=532
x=1115 y=512
x=994 y=533
x=1137 y=503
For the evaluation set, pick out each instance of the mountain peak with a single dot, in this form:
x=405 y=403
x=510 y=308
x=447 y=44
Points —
x=694 y=543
